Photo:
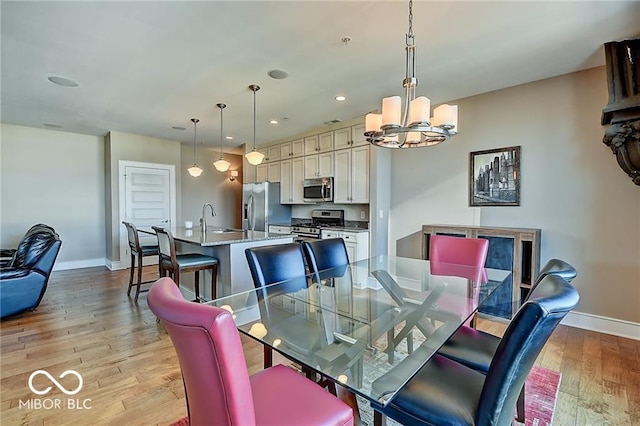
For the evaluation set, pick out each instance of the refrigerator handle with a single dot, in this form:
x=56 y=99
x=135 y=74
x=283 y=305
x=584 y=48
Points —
x=251 y=218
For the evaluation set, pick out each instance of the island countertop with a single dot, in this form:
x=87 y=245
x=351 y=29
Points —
x=215 y=236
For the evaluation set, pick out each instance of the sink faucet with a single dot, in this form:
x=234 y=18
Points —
x=203 y=219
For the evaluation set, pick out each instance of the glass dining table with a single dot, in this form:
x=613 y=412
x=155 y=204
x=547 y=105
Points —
x=368 y=326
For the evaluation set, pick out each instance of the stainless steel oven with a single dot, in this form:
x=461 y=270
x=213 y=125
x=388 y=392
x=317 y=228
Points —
x=318 y=190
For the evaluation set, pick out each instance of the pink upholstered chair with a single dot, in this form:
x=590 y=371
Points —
x=446 y=252
x=218 y=387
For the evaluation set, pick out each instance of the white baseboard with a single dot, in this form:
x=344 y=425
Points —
x=117 y=265
x=77 y=264
x=616 y=327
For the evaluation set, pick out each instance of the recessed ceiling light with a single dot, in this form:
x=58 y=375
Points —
x=53 y=126
x=178 y=128
x=278 y=74
x=340 y=98
x=273 y=122
x=62 y=81
x=228 y=138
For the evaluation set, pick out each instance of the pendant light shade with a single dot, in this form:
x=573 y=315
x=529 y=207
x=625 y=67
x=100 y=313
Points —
x=194 y=170
x=254 y=157
x=221 y=165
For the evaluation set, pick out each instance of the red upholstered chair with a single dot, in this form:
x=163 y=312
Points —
x=445 y=251
x=218 y=387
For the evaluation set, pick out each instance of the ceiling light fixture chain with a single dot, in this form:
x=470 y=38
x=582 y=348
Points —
x=411 y=126
x=254 y=157
x=221 y=165
x=194 y=170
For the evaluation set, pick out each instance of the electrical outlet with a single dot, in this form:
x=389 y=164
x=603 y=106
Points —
x=362 y=214
x=381 y=214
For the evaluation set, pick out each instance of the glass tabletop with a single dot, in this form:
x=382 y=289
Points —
x=369 y=325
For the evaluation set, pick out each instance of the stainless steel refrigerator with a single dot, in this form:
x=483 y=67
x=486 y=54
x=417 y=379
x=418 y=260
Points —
x=261 y=206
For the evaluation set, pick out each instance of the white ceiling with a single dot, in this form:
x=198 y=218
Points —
x=143 y=67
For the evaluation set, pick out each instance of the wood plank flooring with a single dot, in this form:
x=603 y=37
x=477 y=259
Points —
x=131 y=374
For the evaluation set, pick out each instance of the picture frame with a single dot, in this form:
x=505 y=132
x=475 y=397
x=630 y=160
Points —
x=494 y=177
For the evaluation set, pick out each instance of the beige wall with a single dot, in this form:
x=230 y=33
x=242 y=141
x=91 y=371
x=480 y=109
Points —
x=572 y=187
x=55 y=178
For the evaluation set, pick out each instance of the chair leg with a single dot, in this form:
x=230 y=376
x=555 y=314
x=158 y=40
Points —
x=379 y=419
x=139 y=277
x=133 y=264
x=520 y=406
x=214 y=282
x=197 y=286
x=268 y=356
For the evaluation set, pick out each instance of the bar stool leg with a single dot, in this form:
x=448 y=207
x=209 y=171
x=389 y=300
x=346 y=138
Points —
x=197 y=286
x=214 y=282
x=140 y=257
x=133 y=264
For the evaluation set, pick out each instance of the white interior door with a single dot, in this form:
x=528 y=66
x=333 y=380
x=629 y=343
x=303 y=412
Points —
x=147 y=199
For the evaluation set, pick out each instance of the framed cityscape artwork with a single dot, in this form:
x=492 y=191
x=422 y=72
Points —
x=494 y=177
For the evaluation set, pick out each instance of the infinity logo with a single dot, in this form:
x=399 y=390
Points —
x=55 y=382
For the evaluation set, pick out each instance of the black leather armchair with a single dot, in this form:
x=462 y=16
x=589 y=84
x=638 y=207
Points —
x=23 y=279
x=7 y=254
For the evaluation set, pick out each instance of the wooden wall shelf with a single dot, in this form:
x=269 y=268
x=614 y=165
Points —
x=517 y=249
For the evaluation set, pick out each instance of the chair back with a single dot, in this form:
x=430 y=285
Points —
x=132 y=236
x=272 y=264
x=458 y=250
x=523 y=340
x=166 y=249
x=37 y=250
x=557 y=267
x=210 y=354
x=325 y=257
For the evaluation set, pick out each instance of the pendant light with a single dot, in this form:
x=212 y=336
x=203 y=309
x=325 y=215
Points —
x=254 y=157
x=194 y=170
x=414 y=127
x=221 y=165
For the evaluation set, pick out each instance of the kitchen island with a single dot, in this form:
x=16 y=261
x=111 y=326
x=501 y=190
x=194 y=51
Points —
x=228 y=246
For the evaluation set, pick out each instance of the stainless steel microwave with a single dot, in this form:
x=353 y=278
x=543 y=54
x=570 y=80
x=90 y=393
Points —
x=318 y=190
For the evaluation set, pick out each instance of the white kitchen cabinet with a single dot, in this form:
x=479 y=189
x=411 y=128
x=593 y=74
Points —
x=273 y=153
x=291 y=176
x=292 y=149
x=318 y=143
x=349 y=137
x=268 y=172
x=262 y=172
x=351 y=175
x=318 y=165
x=279 y=229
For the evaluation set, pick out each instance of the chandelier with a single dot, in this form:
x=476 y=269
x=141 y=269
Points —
x=415 y=127
x=194 y=170
x=221 y=165
x=254 y=157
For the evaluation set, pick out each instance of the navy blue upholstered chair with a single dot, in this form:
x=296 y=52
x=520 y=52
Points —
x=171 y=263
x=281 y=263
x=447 y=392
x=24 y=279
x=325 y=257
x=476 y=349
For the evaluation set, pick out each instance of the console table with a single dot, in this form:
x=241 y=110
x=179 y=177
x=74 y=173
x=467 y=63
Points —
x=517 y=249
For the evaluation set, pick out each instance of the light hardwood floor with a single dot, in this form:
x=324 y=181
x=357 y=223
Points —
x=131 y=375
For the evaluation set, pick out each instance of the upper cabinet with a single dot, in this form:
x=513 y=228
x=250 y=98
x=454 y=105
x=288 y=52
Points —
x=349 y=137
x=292 y=149
x=317 y=144
x=273 y=153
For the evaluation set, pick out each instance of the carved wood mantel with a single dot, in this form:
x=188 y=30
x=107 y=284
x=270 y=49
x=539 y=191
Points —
x=622 y=112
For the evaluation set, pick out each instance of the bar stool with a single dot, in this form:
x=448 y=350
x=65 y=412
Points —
x=172 y=263
x=140 y=252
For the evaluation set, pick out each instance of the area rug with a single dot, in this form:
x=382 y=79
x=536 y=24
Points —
x=541 y=394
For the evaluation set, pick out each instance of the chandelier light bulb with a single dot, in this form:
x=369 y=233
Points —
x=194 y=171
x=254 y=157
